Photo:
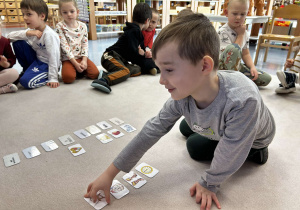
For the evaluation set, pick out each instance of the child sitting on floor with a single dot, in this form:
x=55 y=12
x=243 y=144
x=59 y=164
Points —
x=235 y=44
x=74 y=44
x=38 y=47
x=289 y=78
x=7 y=59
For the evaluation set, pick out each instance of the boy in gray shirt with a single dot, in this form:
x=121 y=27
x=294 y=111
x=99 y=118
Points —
x=225 y=117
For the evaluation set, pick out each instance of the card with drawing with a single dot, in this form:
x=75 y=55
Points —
x=134 y=179
x=118 y=190
x=82 y=133
x=100 y=203
x=31 y=152
x=76 y=149
x=104 y=125
x=66 y=139
x=104 y=138
x=12 y=159
x=93 y=129
x=49 y=145
x=128 y=128
x=146 y=169
x=115 y=133
x=116 y=121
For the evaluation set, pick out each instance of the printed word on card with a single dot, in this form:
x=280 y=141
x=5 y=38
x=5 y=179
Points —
x=104 y=125
x=49 y=145
x=12 y=159
x=66 y=139
x=31 y=152
x=82 y=133
x=116 y=121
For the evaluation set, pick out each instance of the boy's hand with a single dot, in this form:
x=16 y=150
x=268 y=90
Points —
x=141 y=51
x=254 y=73
x=36 y=33
x=78 y=67
x=53 y=84
x=240 y=30
x=148 y=54
x=289 y=63
x=204 y=196
x=103 y=182
x=3 y=62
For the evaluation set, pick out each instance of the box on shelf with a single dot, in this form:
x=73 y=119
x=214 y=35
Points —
x=204 y=10
x=106 y=28
x=98 y=28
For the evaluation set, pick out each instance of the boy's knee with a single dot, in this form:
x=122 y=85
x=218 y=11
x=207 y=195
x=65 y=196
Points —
x=68 y=79
x=185 y=128
x=263 y=79
x=193 y=152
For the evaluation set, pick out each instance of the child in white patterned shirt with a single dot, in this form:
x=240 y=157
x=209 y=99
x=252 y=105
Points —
x=74 y=44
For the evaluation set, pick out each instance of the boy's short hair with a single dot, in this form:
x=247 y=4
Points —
x=184 y=12
x=141 y=13
x=195 y=35
x=39 y=6
x=60 y=2
x=155 y=11
x=246 y=2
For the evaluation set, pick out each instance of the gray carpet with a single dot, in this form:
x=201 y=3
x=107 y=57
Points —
x=57 y=180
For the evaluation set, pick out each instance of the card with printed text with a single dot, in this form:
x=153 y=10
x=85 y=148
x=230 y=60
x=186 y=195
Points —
x=31 y=152
x=82 y=133
x=49 y=145
x=66 y=139
x=104 y=125
x=12 y=159
x=116 y=121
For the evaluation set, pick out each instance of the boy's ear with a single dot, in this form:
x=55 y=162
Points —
x=147 y=21
x=208 y=64
x=43 y=16
x=226 y=12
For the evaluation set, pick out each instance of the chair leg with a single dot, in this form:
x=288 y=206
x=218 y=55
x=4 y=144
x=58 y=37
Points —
x=257 y=51
x=266 y=54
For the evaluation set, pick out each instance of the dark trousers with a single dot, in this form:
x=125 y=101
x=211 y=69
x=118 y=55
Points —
x=118 y=68
x=200 y=147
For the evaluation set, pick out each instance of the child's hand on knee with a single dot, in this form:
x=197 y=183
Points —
x=289 y=63
x=53 y=84
x=204 y=196
x=3 y=62
x=78 y=67
x=83 y=65
x=254 y=73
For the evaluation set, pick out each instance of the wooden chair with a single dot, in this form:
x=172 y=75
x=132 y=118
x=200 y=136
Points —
x=288 y=12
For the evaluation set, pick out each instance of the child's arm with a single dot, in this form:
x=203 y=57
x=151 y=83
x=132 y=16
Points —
x=18 y=35
x=84 y=47
x=249 y=63
x=53 y=51
x=289 y=63
x=9 y=55
x=241 y=30
x=3 y=62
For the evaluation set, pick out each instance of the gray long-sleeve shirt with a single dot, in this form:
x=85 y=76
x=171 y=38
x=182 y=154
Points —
x=237 y=118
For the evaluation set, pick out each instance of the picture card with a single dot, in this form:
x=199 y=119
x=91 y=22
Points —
x=116 y=121
x=49 y=145
x=31 y=152
x=115 y=133
x=118 y=190
x=134 y=179
x=100 y=203
x=128 y=128
x=82 y=133
x=104 y=125
x=12 y=159
x=104 y=138
x=93 y=129
x=66 y=139
x=76 y=149
x=146 y=169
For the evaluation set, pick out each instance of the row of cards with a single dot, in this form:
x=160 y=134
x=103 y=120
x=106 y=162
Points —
x=77 y=149
x=118 y=190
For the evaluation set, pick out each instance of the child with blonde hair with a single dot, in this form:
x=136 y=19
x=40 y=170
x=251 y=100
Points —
x=234 y=42
x=74 y=44
x=7 y=59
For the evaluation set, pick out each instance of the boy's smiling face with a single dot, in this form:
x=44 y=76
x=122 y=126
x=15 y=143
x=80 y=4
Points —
x=236 y=14
x=33 y=20
x=180 y=76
